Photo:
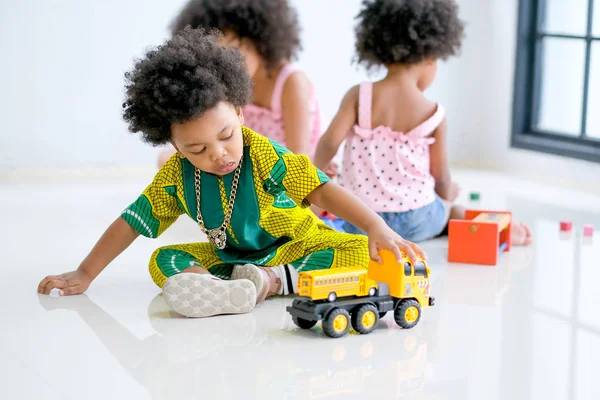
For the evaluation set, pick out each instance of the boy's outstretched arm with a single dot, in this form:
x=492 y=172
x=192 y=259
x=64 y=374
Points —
x=340 y=202
x=113 y=242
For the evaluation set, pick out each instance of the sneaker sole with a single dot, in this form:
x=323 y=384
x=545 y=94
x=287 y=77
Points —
x=195 y=296
x=251 y=273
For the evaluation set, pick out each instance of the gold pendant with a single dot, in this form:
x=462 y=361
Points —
x=217 y=237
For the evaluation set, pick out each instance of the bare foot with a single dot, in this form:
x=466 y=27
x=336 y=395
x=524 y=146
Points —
x=520 y=234
x=457 y=212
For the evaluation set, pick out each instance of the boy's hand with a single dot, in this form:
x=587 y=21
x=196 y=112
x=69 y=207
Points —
x=381 y=237
x=69 y=283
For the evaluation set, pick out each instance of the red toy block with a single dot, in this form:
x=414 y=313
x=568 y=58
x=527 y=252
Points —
x=566 y=226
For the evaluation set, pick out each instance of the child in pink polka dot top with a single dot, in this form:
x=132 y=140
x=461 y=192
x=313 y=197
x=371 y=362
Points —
x=395 y=154
x=284 y=106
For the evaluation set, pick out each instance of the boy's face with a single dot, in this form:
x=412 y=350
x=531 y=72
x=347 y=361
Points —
x=213 y=142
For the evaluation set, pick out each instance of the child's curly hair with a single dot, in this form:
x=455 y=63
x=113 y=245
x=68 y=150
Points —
x=272 y=25
x=407 y=31
x=180 y=80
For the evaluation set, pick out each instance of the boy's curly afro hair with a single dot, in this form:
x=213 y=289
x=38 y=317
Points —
x=180 y=80
x=272 y=25
x=407 y=31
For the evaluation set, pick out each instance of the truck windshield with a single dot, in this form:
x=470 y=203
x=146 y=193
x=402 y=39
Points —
x=420 y=269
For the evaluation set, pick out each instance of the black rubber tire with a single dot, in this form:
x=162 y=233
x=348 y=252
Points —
x=400 y=312
x=328 y=326
x=357 y=316
x=303 y=323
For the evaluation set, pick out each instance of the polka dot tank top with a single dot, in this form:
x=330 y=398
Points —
x=269 y=122
x=389 y=170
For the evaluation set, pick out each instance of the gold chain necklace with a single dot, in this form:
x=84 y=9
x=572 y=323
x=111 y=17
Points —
x=217 y=236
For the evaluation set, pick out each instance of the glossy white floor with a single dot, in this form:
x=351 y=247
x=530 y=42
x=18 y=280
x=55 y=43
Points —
x=528 y=328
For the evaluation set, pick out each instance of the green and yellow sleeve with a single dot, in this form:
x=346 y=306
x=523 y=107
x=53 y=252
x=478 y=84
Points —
x=158 y=207
x=278 y=167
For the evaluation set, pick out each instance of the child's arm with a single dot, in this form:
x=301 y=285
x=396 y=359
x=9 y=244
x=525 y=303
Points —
x=337 y=200
x=113 y=242
x=438 y=162
x=295 y=107
x=343 y=121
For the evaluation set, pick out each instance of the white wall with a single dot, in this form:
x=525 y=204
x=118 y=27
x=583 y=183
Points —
x=62 y=78
x=63 y=65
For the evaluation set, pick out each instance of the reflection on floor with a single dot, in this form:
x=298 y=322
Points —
x=526 y=329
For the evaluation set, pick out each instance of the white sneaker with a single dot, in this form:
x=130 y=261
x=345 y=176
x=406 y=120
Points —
x=202 y=295
x=266 y=282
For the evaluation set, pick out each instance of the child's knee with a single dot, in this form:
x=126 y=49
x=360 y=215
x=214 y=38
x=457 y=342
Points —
x=155 y=272
x=354 y=252
x=167 y=261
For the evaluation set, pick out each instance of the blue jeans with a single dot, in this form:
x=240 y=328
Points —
x=417 y=225
x=337 y=224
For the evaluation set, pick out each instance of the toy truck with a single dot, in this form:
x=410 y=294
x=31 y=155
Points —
x=341 y=297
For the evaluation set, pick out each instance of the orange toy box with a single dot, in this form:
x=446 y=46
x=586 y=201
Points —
x=480 y=237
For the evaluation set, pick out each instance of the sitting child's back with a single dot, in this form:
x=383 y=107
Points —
x=386 y=159
x=395 y=158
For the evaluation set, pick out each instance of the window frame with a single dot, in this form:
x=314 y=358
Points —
x=527 y=85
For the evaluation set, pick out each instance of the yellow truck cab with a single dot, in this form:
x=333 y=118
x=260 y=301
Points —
x=355 y=296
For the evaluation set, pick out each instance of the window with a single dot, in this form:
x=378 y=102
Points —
x=407 y=269
x=305 y=284
x=355 y=278
x=557 y=78
x=420 y=269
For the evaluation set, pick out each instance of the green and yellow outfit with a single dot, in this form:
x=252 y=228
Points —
x=270 y=225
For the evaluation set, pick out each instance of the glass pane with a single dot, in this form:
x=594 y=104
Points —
x=593 y=114
x=596 y=23
x=568 y=17
x=420 y=269
x=561 y=94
